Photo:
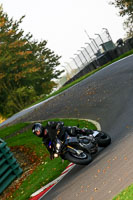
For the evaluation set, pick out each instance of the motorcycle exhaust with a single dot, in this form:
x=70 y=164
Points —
x=72 y=150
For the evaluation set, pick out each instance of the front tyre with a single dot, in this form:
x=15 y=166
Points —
x=82 y=159
x=104 y=139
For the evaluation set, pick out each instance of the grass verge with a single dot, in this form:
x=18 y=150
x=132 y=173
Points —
x=126 y=194
x=42 y=170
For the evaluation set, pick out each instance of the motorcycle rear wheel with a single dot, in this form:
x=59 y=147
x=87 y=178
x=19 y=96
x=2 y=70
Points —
x=104 y=139
x=83 y=159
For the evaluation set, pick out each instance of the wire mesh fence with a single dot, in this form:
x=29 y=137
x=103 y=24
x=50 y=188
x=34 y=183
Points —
x=92 y=50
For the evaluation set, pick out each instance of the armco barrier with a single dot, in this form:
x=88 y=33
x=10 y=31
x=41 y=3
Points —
x=9 y=168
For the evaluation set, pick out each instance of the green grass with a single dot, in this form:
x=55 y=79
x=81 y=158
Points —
x=12 y=129
x=126 y=194
x=47 y=170
x=44 y=173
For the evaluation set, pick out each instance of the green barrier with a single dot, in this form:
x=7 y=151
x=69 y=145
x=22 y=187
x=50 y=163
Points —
x=9 y=168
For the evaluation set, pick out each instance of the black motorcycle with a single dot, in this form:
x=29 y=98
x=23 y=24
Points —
x=79 y=149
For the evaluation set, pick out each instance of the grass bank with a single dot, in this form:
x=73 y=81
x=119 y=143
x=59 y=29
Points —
x=126 y=194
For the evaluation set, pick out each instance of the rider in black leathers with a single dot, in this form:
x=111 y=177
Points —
x=54 y=130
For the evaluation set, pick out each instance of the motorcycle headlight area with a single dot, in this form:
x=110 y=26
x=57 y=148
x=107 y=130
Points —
x=55 y=155
x=58 y=146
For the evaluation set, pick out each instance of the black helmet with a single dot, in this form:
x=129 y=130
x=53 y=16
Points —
x=38 y=127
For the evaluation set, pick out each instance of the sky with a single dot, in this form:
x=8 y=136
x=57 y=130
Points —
x=62 y=23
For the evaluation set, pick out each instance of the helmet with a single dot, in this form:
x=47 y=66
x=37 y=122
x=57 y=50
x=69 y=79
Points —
x=37 y=127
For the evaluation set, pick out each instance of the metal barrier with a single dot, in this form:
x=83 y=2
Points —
x=9 y=168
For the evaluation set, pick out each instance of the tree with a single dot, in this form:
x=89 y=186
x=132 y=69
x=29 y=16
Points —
x=27 y=67
x=126 y=9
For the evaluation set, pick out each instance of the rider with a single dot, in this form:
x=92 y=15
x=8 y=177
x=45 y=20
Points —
x=49 y=133
x=54 y=130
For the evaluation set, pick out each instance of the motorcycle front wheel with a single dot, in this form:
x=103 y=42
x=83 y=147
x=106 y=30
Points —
x=103 y=139
x=82 y=159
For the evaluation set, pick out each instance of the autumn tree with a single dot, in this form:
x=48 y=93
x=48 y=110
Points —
x=27 y=67
x=126 y=10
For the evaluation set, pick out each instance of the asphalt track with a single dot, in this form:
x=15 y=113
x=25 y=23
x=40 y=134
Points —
x=106 y=97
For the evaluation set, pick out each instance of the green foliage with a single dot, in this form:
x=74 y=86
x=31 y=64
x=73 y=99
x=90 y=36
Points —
x=18 y=99
x=126 y=9
x=128 y=26
x=27 y=67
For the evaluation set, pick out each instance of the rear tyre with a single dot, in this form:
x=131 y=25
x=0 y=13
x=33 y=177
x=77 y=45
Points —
x=104 y=140
x=82 y=159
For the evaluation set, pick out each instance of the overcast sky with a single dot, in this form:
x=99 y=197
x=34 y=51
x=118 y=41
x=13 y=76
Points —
x=62 y=22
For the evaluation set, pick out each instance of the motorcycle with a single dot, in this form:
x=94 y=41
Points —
x=79 y=149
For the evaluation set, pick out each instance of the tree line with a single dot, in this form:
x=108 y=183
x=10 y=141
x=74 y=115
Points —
x=27 y=67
